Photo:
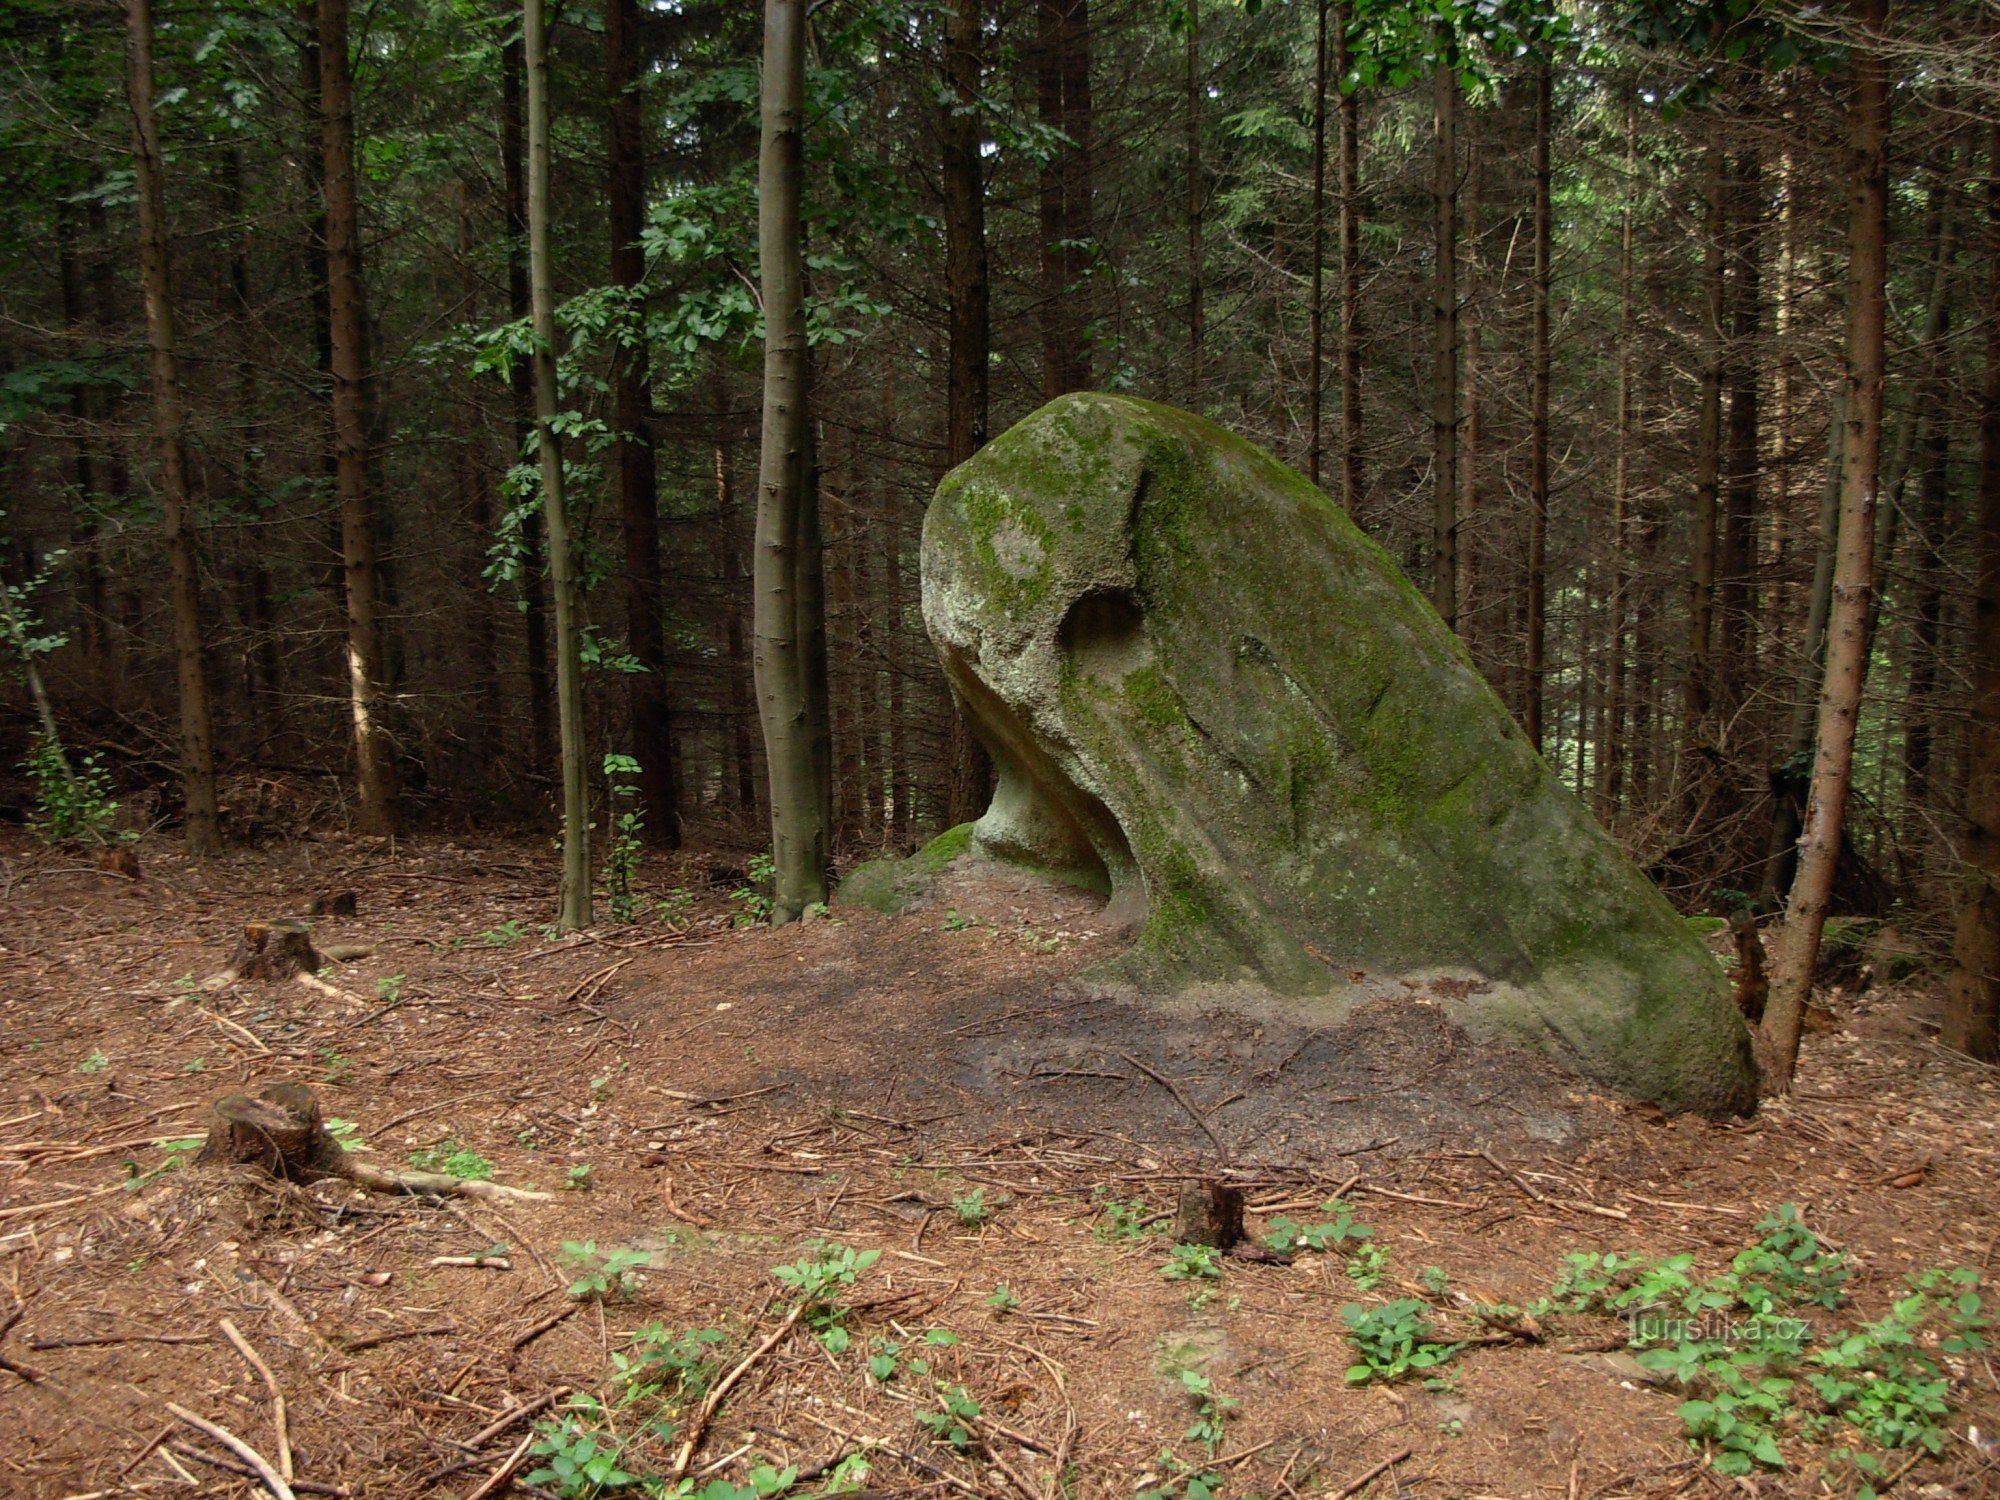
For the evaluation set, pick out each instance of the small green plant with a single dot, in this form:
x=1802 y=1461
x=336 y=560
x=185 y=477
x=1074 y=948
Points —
x=73 y=802
x=1183 y=1481
x=577 y=1178
x=1393 y=1340
x=510 y=931
x=952 y=1423
x=956 y=921
x=200 y=1065
x=628 y=846
x=1193 y=1263
x=1002 y=1300
x=1365 y=1267
x=753 y=895
x=179 y=1152
x=389 y=987
x=1789 y=1262
x=819 y=1276
x=347 y=1134
x=580 y=1462
x=338 y=1067
x=1125 y=1222
x=1212 y=1409
x=1435 y=1282
x=659 y=1366
x=97 y=1062
x=1287 y=1235
x=452 y=1159
x=973 y=1209
x=614 y=1273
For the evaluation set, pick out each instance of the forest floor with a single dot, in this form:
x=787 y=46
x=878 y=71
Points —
x=706 y=1101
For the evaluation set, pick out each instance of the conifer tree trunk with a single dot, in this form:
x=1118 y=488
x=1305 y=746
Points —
x=648 y=701
x=1846 y=657
x=1063 y=102
x=736 y=657
x=1611 y=764
x=534 y=586
x=374 y=756
x=475 y=507
x=1472 y=413
x=204 y=828
x=1195 y=201
x=1316 y=380
x=1972 y=1000
x=970 y=774
x=574 y=910
x=1444 y=347
x=1698 y=687
x=1351 y=471
x=1735 y=586
x=787 y=526
x=1536 y=673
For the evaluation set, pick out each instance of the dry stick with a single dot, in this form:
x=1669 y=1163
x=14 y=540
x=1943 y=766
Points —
x=430 y=1109
x=272 y=1481
x=698 y=1428
x=499 y=1477
x=1173 y=1088
x=1358 y=1485
x=521 y=1341
x=382 y=1180
x=230 y=1332
x=216 y=1461
x=509 y=1417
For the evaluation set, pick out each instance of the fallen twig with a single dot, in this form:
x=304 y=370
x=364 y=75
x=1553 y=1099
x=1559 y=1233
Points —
x=1185 y=1103
x=272 y=1480
x=1355 y=1487
x=499 y=1477
x=698 y=1427
x=230 y=1332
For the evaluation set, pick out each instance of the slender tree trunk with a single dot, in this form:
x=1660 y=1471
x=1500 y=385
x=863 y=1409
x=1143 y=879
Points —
x=1538 y=424
x=1736 y=596
x=648 y=700
x=90 y=598
x=787 y=529
x=1062 y=86
x=1195 y=201
x=1611 y=765
x=1472 y=414
x=845 y=657
x=970 y=774
x=204 y=829
x=730 y=570
x=1972 y=998
x=374 y=756
x=575 y=904
x=534 y=587
x=1317 y=356
x=261 y=670
x=475 y=506
x=1351 y=472
x=1444 y=348
x=1697 y=729
x=1846 y=663
x=902 y=788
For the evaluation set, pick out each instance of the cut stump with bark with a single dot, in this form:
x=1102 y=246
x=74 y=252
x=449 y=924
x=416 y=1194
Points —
x=1210 y=1213
x=283 y=1132
x=278 y=949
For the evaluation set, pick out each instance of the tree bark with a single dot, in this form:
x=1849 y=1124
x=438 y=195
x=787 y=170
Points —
x=1735 y=585
x=787 y=528
x=475 y=507
x=534 y=588
x=1698 y=687
x=1352 y=475
x=204 y=828
x=1536 y=672
x=1444 y=347
x=1317 y=337
x=574 y=910
x=1846 y=663
x=1195 y=391
x=1611 y=765
x=736 y=656
x=374 y=756
x=1972 y=998
x=1063 y=103
x=648 y=700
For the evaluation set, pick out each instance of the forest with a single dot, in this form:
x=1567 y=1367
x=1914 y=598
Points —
x=472 y=551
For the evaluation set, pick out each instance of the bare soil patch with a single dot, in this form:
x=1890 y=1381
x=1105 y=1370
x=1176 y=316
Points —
x=719 y=1097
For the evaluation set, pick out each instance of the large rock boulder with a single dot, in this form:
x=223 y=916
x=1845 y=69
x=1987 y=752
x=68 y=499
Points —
x=1206 y=692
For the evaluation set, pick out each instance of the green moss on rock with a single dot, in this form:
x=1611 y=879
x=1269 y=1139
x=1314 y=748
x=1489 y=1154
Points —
x=1204 y=687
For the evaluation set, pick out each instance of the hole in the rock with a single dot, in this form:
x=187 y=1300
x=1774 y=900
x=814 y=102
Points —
x=1104 y=635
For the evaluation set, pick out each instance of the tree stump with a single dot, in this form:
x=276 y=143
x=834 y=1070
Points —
x=1753 y=985
x=281 y=1131
x=278 y=949
x=1209 y=1214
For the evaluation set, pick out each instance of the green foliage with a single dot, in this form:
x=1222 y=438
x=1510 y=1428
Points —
x=453 y=1160
x=1393 y=1340
x=612 y=1273
x=579 y=1462
x=97 y=1062
x=338 y=1069
x=73 y=802
x=1788 y=1265
x=973 y=1209
x=1002 y=1300
x=1193 y=1263
x=660 y=1366
x=577 y=1178
x=952 y=1422
x=1212 y=1408
x=755 y=895
x=389 y=987
x=508 y=932
x=347 y=1134
x=627 y=848
x=1366 y=1266
x=1287 y=1235
x=1120 y=1222
x=819 y=1277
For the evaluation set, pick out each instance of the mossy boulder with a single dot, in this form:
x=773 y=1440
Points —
x=1207 y=692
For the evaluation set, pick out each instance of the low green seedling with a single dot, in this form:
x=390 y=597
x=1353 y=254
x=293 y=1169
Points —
x=1393 y=1340
x=1193 y=1263
x=454 y=1160
x=613 y=1273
